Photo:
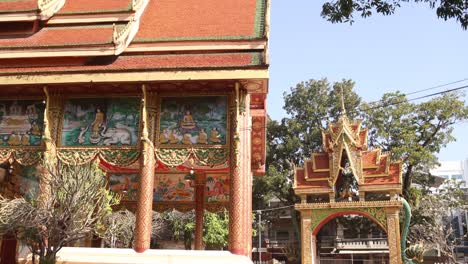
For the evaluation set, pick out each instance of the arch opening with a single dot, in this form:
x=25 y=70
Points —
x=350 y=237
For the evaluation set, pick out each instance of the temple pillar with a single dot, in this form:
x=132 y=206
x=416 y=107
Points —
x=199 y=210
x=239 y=187
x=247 y=166
x=144 y=210
x=308 y=248
x=393 y=234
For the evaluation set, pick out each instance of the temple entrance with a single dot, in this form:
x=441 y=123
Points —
x=349 y=199
x=351 y=238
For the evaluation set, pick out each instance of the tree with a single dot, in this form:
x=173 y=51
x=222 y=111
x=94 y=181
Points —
x=433 y=215
x=117 y=229
x=309 y=106
x=216 y=230
x=413 y=132
x=182 y=226
x=76 y=201
x=338 y=11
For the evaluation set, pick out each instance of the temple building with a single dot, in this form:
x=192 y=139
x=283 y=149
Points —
x=156 y=91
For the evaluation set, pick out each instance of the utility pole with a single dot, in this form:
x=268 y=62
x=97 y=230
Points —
x=259 y=235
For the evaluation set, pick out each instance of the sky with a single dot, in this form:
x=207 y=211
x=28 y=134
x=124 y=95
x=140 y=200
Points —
x=408 y=51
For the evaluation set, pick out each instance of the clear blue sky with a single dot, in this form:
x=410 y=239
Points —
x=409 y=51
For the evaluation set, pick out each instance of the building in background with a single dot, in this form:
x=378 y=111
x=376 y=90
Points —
x=457 y=170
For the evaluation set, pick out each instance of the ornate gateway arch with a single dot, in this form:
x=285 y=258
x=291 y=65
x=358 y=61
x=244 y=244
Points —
x=348 y=178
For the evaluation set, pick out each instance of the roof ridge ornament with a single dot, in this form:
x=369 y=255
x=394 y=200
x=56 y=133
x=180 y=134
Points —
x=343 y=109
x=48 y=8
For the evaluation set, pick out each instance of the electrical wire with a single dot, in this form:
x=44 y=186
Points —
x=273 y=209
x=397 y=102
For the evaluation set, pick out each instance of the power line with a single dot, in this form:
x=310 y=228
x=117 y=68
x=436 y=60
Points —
x=438 y=86
x=397 y=102
x=416 y=98
x=274 y=209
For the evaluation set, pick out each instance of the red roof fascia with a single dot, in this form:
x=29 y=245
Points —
x=145 y=62
x=62 y=36
x=302 y=183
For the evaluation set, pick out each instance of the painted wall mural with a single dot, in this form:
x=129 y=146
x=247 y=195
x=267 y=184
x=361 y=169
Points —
x=125 y=184
x=193 y=120
x=101 y=122
x=21 y=123
x=28 y=181
x=217 y=188
x=172 y=188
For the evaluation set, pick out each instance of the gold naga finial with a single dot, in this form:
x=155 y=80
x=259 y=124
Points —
x=343 y=109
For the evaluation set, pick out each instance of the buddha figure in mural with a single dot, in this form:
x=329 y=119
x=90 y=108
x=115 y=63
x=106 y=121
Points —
x=25 y=140
x=215 y=136
x=97 y=124
x=164 y=137
x=187 y=139
x=187 y=121
x=35 y=131
x=202 y=137
x=14 y=140
x=174 y=137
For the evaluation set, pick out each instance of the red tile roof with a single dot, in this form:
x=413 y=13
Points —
x=62 y=36
x=198 y=20
x=143 y=62
x=95 y=6
x=18 y=6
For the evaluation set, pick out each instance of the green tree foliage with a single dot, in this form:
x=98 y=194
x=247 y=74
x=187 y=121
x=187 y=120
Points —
x=413 y=132
x=309 y=106
x=338 y=11
x=216 y=230
x=75 y=202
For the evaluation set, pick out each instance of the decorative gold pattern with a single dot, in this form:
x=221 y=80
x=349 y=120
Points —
x=27 y=157
x=174 y=157
x=77 y=156
x=306 y=241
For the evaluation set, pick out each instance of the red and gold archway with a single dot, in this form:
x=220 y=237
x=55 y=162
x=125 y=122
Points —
x=345 y=154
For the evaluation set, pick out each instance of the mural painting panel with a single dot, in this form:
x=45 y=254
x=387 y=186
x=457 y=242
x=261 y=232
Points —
x=193 y=120
x=125 y=184
x=24 y=182
x=101 y=122
x=172 y=188
x=217 y=188
x=21 y=123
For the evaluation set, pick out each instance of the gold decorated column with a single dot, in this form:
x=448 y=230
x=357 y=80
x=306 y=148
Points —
x=199 y=210
x=147 y=165
x=52 y=115
x=393 y=236
x=237 y=197
x=306 y=239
